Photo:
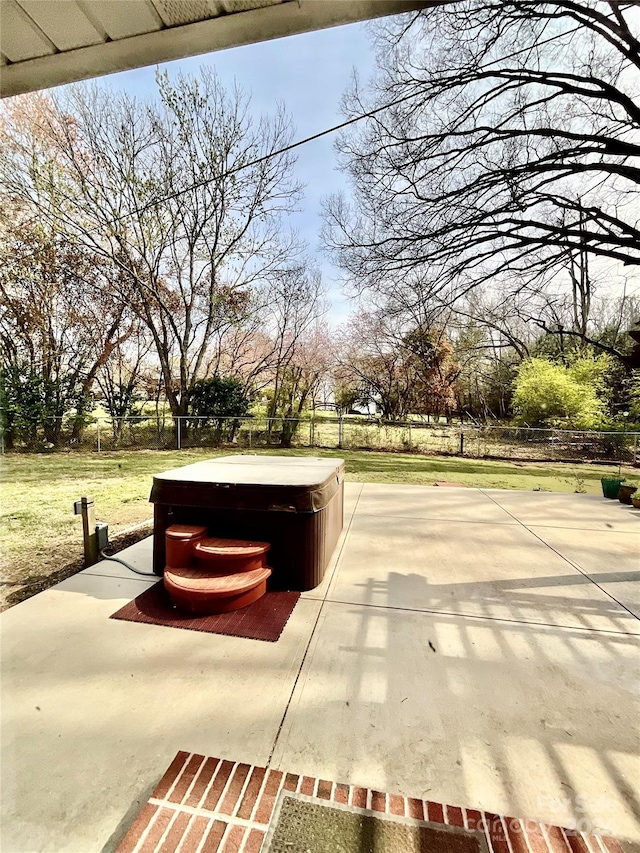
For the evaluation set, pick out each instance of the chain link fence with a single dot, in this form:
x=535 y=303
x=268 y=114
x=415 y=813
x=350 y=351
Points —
x=165 y=432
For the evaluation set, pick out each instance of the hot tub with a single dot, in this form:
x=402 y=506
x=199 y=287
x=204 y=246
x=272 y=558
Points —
x=294 y=503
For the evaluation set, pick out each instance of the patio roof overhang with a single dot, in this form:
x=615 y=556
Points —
x=46 y=43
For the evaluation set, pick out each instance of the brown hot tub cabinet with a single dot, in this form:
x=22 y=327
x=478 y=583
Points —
x=294 y=503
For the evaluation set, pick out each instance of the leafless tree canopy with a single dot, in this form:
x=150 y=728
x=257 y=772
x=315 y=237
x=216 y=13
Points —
x=510 y=153
x=165 y=191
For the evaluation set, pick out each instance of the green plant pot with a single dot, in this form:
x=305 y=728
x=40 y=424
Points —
x=625 y=492
x=611 y=486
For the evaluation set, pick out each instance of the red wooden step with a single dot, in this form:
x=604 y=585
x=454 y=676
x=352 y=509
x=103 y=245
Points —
x=207 y=574
x=185 y=531
x=180 y=540
x=229 y=555
x=213 y=548
x=209 y=592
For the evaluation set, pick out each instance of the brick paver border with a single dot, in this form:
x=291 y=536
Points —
x=212 y=805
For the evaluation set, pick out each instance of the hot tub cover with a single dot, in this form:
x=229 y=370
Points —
x=271 y=483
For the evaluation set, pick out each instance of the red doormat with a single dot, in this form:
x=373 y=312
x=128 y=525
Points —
x=207 y=804
x=262 y=620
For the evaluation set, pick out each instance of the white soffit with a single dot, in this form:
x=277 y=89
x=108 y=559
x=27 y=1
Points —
x=45 y=43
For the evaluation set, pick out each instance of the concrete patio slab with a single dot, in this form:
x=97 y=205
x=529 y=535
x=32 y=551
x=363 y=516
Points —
x=352 y=492
x=107 y=587
x=610 y=559
x=93 y=708
x=394 y=686
x=140 y=556
x=499 y=571
x=582 y=512
x=514 y=719
x=389 y=501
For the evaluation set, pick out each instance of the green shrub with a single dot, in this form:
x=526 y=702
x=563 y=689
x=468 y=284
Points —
x=219 y=400
x=548 y=394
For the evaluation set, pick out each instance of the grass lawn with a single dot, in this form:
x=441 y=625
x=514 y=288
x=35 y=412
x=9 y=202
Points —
x=39 y=533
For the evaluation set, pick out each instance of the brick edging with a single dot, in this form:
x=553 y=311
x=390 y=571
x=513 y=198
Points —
x=213 y=805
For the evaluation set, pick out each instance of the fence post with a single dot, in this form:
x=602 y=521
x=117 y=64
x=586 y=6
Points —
x=98 y=433
x=635 y=449
x=461 y=443
x=178 y=436
x=340 y=431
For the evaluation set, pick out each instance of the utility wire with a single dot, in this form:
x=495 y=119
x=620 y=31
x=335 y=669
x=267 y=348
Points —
x=205 y=181
x=319 y=135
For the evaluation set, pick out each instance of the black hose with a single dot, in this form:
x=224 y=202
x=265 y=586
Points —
x=127 y=566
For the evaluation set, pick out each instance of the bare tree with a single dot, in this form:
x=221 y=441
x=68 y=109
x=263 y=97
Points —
x=183 y=194
x=121 y=379
x=508 y=152
x=487 y=368
x=300 y=350
x=401 y=370
x=61 y=318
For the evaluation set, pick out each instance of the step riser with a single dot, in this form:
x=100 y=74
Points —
x=229 y=567
x=181 y=559
x=203 y=605
x=180 y=551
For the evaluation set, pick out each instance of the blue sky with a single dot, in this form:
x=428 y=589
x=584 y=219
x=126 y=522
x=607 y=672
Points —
x=309 y=74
